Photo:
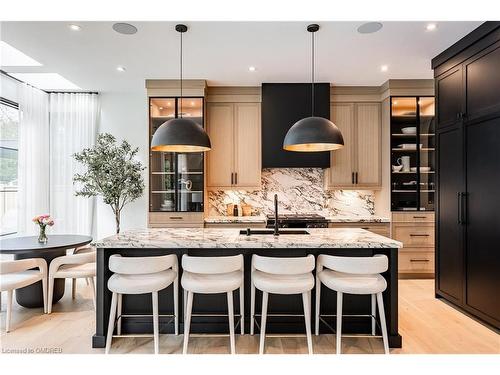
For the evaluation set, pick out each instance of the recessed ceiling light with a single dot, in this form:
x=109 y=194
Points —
x=252 y=68
x=124 y=28
x=168 y=104
x=11 y=56
x=120 y=68
x=46 y=81
x=75 y=27
x=431 y=27
x=369 y=27
x=384 y=68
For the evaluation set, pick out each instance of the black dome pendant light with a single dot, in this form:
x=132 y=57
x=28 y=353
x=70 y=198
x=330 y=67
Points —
x=312 y=134
x=180 y=134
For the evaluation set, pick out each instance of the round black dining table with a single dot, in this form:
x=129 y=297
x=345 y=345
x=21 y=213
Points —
x=29 y=247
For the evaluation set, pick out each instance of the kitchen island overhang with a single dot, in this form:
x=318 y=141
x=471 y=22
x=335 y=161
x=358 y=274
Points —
x=224 y=242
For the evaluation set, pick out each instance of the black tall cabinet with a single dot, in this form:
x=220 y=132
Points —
x=467 y=82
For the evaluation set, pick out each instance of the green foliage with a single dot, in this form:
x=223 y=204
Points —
x=111 y=172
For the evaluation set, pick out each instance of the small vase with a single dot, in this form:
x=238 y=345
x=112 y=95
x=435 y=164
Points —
x=42 y=237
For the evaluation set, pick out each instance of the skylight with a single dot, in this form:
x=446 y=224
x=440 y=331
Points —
x=46 y=81
x=10 y=56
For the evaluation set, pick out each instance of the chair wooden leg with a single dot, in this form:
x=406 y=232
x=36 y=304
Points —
x=230 y=310
x=307 y=317
x=252 y=308
x=50 y=294
x=118 y=314
x=156 y=331
x=44 y=291
x=242 y=309
x=185 y=299
x=73 y=288
x=187 y=321
x=265 y=297
x=87 y=281
x=176 y=306
x=92 y=285
x=111 y=323
x=317 y=310
x=374 y=313
x=339 y=322
x=383 y=325
x=9 y=310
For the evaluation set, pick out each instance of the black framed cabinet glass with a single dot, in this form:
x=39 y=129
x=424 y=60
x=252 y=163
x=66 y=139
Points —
x=176 y=180
x=412 y=153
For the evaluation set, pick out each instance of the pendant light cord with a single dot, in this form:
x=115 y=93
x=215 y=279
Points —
x=180 y=114
x=312 y=76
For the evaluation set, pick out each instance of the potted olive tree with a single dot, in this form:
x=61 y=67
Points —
x=111 y=172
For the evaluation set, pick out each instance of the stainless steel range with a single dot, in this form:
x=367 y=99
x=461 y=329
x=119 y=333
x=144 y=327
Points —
x=298 y=221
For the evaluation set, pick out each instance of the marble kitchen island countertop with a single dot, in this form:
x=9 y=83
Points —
x=179 y=238
x=358 y=219
x=235 y=219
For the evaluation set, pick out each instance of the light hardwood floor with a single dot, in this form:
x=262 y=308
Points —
x=427 y=325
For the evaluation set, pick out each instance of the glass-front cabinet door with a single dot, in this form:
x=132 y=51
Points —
x=412 y=153
x=176 y=179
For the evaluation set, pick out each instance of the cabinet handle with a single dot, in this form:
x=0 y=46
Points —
x=418 y=235
x=463 y=216
x=419 y=260
x=236 y=178
x=419 y=217
x=459 y=207
x=356 y=178
x=352 y=178
x=176 y=217
x=232 y=178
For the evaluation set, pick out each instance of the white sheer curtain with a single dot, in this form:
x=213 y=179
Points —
x=33 y=157
x=73 y=127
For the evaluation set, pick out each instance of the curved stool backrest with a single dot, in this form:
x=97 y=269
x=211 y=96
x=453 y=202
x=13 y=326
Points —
x=283 y=266
x=141 y=265
x=355 y=265
x=212 y=265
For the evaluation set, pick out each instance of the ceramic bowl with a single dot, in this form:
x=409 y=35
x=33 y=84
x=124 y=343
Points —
x=397 y=168
x=409 y=130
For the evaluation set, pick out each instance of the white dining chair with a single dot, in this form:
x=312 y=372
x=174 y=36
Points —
x=281 y=276
x=74 y=266
x=141 y=275
x=213 y=275
x=15 y=274
x=353 y=275
x=81 y=250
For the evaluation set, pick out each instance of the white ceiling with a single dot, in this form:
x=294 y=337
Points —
x=221 y=52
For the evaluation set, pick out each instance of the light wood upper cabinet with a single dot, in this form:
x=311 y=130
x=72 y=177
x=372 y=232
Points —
x=358 y=164
x=235 y=158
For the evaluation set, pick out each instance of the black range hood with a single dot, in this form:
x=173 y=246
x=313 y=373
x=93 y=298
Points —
x=283 y=104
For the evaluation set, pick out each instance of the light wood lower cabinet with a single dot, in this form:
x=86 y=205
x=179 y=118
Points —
x=235 y=158
x=378 y=228
x=416 y=231
x=358 y=165
x=175 y=220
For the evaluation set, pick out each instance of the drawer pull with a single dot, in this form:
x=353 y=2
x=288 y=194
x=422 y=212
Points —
x=176 y=217
x=419 y=217
x=419 y=260
x=418 y=235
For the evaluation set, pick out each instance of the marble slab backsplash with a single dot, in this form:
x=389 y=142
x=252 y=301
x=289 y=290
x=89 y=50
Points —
x=300 y=191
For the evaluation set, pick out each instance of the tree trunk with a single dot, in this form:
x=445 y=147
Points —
x=117 y=220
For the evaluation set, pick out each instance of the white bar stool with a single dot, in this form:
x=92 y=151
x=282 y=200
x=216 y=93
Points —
x=282 y=276
x=212 y=275
x=15 y=274
x=140 y=275
x=353 y=275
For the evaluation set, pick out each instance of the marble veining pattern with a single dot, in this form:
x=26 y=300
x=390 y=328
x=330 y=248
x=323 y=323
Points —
x=176 y=238
x=300 y=191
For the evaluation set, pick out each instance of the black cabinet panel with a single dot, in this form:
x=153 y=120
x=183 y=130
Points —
x=449 y=93
x=483 y=208
x=483 y=83
x=450 y=236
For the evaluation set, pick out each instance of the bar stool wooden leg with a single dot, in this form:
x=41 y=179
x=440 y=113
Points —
x=185 y=298
x=307 y=317
x=230 y=309
x=374 y=313
x=111 y=323
x=252 y=309
x=73 y=288
x=92 y=285
x=242 y=309
x=156 y=331
x=9 y=310
x=176 y=306
x=339 y=322
x=187 y=321
x=263 y=322
x=383 y=325
x=317 y=311
x=118 y=314
x=44 y=291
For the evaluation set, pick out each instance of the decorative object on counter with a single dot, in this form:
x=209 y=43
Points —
x=111 y=172
x=42 y=221
x=246 y=209
x=235 y=210
x=180 y=134
x=312 y=134
x=301 y=191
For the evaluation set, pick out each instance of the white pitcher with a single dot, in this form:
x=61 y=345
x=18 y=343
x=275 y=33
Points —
x=405 y=162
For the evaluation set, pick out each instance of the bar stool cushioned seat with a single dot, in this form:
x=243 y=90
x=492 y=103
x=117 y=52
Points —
x=216 y=283
x=353 y=284
x=283 y=284
x=139 y=284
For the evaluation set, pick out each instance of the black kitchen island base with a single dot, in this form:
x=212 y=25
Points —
x=217 y=304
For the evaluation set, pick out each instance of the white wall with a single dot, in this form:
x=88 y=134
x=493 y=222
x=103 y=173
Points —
x=125 y=116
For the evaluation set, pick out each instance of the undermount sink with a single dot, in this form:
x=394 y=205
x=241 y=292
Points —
x=249 y=232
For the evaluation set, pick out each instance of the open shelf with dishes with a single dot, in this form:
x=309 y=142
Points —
x=176 y=180
x=412 y=153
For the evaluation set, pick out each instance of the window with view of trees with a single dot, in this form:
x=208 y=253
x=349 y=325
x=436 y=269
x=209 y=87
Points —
x=9 y=125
